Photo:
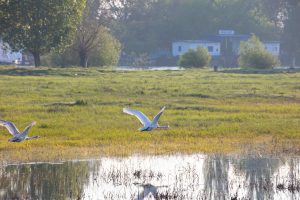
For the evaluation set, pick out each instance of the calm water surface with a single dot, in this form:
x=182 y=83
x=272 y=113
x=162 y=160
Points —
x=155 y=177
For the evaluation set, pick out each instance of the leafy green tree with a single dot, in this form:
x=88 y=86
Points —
x=254 y=55
x=195 y=58
x=245 y=16
x=106 y=52
x=290 y=38
x=39 y=26
x=88 y=36
x=62 y=59
x=274 y=10
x=86 y=40
x=143 y=26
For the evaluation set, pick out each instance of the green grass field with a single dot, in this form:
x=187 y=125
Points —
x=79 y=112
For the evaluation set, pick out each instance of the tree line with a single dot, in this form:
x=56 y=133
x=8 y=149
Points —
x=148 y=25
x=90 y=29
x=69 y=32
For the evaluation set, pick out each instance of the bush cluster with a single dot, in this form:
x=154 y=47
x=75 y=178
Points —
x=105 y=53
x=254 y=55
x=195 y=58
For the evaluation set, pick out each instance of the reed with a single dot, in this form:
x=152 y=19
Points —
x=79 y=112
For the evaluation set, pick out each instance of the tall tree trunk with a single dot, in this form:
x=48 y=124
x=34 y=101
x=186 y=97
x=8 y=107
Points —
x=83 y=59
x=293 y=61
x=37 y=59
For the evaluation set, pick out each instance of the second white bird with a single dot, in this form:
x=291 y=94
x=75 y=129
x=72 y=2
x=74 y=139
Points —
x=148 y=125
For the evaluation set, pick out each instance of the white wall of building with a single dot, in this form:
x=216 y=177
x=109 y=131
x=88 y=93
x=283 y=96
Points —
x=180 y=48
x=6 y=56
x=273 y=47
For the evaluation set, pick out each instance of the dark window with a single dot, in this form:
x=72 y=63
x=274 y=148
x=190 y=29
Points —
x=210 y=48
x=179 y=48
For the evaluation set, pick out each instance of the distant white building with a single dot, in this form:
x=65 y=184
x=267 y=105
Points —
x=273 y=47
x=181 y=47
x=7 y=56
x=223 y=47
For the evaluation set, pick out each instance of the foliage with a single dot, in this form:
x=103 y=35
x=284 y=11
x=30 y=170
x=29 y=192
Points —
x=39 y=26
x=148 y=25
x=210 y=112
x=93 y=43
x=290 y=38
x=254 y=55
x=274 y=10
x=87 y=35
x=62 y=59
x=105 y=52
x=195 y=58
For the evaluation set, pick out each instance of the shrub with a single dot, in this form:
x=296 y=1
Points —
x=61 y=59
x=254 y=55
x=105 y=53
x=195 y=58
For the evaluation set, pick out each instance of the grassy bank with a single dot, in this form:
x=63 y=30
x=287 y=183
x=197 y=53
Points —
x=79 y=112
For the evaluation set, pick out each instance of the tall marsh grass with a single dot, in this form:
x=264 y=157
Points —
x=207 y=111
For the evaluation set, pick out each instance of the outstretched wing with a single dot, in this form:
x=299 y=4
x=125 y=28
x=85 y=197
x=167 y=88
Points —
x=141 y=116
x=25 y=132
x=156 y=118
x=12 y=129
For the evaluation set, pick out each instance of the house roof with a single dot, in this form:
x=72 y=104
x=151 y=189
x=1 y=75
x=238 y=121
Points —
x=196 y=41
x=270 y=42
x=216 y=38
x=221 y=38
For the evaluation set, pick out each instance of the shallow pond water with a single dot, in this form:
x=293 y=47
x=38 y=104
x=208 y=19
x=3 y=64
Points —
x=155 y=177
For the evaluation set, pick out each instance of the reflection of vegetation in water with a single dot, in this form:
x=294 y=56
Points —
x=216 y=177
x=44 y=181
x=293 y=185
x=213 y=177
x=258 y=174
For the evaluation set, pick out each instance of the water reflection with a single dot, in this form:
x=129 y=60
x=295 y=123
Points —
x=258 y=173
x=155 y=177
x=216 y=177
x=44 y=181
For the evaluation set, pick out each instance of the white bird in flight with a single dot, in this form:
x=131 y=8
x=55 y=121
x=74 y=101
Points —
x=17 y=135
x=148 y=125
